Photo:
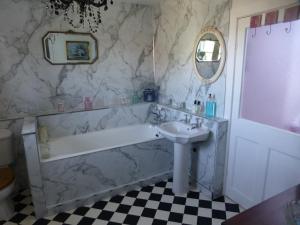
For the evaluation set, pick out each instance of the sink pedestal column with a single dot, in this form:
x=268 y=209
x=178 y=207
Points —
x=182 y=154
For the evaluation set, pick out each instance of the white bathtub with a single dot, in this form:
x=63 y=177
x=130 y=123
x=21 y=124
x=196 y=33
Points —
x=75 y=145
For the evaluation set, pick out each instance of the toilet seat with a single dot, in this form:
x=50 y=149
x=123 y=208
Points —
x=6 y=177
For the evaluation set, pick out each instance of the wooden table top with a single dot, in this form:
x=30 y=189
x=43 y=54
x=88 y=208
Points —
x=269 y=212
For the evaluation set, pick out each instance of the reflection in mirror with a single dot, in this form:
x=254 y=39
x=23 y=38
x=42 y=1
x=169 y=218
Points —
x=209 y=55
x=208 y=49
x=70 y=48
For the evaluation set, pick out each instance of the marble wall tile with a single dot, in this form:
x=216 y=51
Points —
x=177 y=25
x=34 y=171
x=218 y=179
x=82 y=122
x=30 y=85
x=78 y=177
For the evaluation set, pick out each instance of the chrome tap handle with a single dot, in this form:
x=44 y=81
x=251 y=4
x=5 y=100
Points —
x=198 y=123
x=185 y=120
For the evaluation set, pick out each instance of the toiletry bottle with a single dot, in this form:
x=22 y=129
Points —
x=208 y=106
x=60 y=107
x=183 y=105
x=213 y=106
x=43 y=134
x=135 y=98
x=195 y=107
x=88 y=104
x=202 y=108
x=198 y=108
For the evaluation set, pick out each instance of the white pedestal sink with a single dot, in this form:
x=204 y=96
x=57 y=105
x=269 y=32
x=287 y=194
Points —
x=182 y=135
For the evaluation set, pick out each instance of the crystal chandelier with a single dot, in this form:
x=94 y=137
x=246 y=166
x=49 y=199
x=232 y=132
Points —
x=80 y=12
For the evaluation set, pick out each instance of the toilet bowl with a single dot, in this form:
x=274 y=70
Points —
x=7 y=182
x=7 y=177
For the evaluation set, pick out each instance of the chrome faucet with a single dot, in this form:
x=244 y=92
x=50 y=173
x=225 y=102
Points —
x=197 y=124
x=186 y=119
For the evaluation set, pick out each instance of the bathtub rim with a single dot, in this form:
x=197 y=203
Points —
x=65 y=156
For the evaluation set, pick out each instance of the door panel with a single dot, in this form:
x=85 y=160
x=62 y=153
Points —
x=263 y=160
x=283 y=173
x=250 y=159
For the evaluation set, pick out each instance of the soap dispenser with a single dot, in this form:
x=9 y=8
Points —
x=208 y=106
x=213 y=106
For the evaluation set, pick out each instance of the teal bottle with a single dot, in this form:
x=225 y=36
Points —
x=213 y=106
x=208 y=106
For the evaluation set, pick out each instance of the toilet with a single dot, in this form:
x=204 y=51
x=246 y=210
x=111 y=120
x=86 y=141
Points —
x=7 y=177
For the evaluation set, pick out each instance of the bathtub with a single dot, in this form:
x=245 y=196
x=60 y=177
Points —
x=87 y=143
x=84 y=168
x=93 y=155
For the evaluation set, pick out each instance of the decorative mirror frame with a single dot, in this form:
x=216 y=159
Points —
x=220 y=38
x=71 y=32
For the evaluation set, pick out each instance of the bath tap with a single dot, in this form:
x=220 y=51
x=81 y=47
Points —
x=186 y=119
x=197 y=124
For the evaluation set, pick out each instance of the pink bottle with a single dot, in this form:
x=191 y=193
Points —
x=88 y=104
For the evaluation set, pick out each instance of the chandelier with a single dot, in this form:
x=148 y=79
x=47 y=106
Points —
x=80 y=12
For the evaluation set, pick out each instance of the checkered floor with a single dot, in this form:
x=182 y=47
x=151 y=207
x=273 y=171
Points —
x=154 y=204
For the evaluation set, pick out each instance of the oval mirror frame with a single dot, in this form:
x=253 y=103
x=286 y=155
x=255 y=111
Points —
x=219 y=36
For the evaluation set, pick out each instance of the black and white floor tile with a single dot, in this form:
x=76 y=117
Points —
x=154 y=204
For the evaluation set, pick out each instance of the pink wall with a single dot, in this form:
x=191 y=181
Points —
x=271 y=87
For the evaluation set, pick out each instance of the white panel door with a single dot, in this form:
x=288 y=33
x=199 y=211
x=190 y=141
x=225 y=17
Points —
x=263 y=160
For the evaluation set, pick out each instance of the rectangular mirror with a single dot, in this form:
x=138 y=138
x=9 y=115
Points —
x=70 y=48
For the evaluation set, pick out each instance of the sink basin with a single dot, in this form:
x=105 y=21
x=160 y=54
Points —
x=182 y=133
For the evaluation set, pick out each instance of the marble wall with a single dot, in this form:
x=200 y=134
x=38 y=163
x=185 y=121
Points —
x=66 y=124
x=34 y=168
x=30 y=85
x=177 y=24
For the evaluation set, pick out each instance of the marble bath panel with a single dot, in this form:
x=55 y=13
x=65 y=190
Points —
x=218 y=179
x=177 y=25
x=20 y=168
x=29 y=85
x=73 y=178
x=34 y=171
x=82 y=122
x=88 y=200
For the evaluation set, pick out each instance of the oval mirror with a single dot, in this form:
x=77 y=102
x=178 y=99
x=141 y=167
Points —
x=209 y=54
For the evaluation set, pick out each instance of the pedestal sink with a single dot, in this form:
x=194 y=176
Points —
x=182 y=135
